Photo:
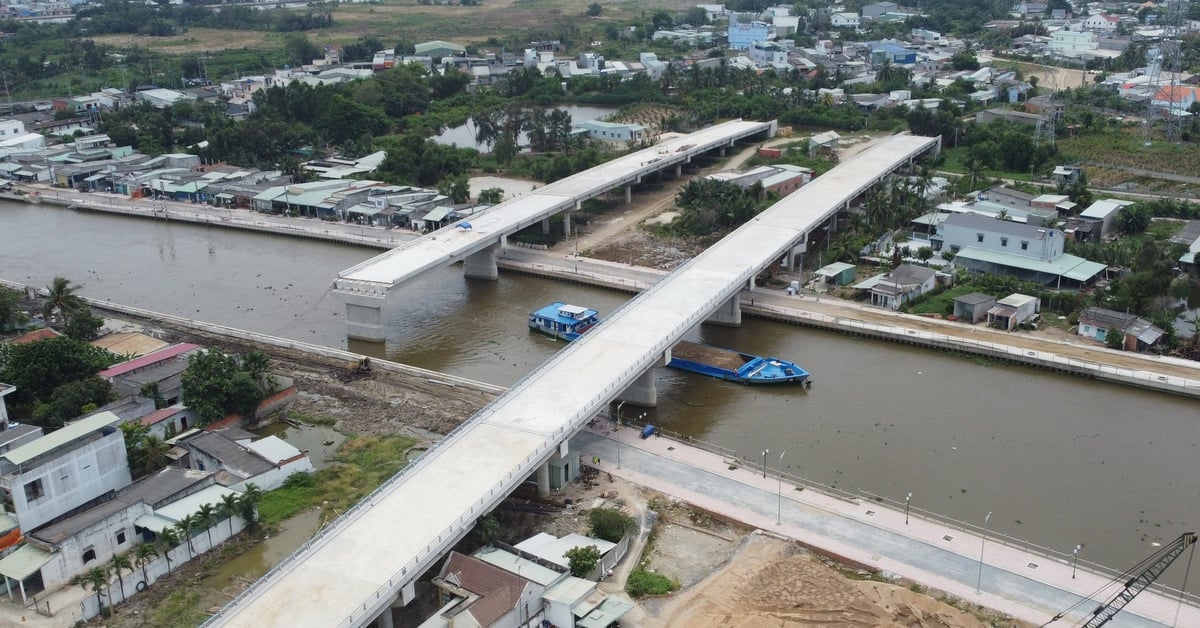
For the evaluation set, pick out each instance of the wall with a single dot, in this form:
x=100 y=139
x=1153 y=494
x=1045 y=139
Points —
x=72 y=479
x=274 y=478
x=101 y=537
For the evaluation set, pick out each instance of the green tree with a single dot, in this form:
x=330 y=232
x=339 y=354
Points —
x=96 y=578
x=925 y=254
x=456 y=187
x=82 y=324
x=69 y=400
x=491 y=195
x=964 y=59
x=1133 y=218
x=167 y=539
x=38 y=368
x=185 y=526
x=120 y=563
x=256 y=364
x=610 y=524
x=594 y=9
x=489 y=529
x=10 y=313
x=62 y=298
x=215 y=387
x=248 y=505
x=229 y=509
x=582 y=560
x=143 y=555
x=1115 y=339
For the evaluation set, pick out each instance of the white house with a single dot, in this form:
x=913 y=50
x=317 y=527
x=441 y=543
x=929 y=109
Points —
x=1073 y=43
x=1029 y=252
x=905 y=283
x=1104 y=212
x=613 y=131
x=1177 y=98
x=1137 y=334
x=10 y=127
x=63 y=470
x=1013 y=310
x=1101 y=22
x=844 y=20
x=243 y=458
x=5 y=389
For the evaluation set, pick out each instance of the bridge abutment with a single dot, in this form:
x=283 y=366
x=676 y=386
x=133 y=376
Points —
x=482 y=265
x=364 y=316
x=729 y=313
x=642 y=392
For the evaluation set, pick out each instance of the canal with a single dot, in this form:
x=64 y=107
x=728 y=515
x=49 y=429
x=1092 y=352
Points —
x=1060 y=461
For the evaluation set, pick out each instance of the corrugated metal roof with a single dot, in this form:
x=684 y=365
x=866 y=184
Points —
x=1069 y=266
x=24 y=562
x=191 y=504
x=56 y=439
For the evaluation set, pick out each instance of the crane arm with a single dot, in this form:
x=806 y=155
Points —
x=1141 y=580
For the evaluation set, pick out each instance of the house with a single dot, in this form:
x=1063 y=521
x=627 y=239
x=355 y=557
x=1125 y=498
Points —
x=1008 y=115
x=553 y=550
x=1030 y=8
x=844 y=20
x=1013 y=310
x=1073 y=43
x=904 y=284
x=973 y=307
x=1189 y=237
x=438 y=48
x=613 y=131
x=1098 y=218
x=1174 y=98
x=826 y=142
x=161 y=370
x=741 y=34
x=240 y=458
x=1028 y=252
x=1066 y=175
x=169 y=421
x=52 y=475
x=837 y=273
x=1101 y=22
x=875 y=10
x=1137 y=334
x=5 y=389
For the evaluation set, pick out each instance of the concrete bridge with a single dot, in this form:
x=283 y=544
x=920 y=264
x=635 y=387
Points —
x=355 y=570
x=364 y=288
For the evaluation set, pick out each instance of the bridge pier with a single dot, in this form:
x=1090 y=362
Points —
x=545 y=226
x=543 y=479
x=678 y=170
x=729 y=313
x=482 y=265
x=795 y=255
x=364 y=316
x=628 y=194
x=567 y=223
x=642 y=392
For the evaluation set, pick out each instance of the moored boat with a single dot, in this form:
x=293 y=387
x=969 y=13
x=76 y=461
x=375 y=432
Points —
x=563 y=320
x=735 y=366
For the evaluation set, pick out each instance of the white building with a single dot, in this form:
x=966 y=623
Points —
x=1072 y=43
x=11 y=128
x=244 y=458
x=844 y=20
x=65 y=469
x=1105 y=212
x=1101 y=22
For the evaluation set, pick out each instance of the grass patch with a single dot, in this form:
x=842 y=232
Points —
x=942 y=302
x=324 y=421
x=1125 y=147
x=642 y=583
x=362 y=463
x=180 y=608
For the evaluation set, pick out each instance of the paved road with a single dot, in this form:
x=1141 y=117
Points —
x=926 y=551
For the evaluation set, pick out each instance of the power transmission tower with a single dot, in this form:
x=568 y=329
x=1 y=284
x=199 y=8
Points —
x=1164 y=70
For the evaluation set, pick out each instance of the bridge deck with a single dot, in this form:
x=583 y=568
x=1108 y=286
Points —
x=449 y=245
x=352 y=571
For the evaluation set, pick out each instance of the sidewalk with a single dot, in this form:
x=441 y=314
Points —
x=1027 y=586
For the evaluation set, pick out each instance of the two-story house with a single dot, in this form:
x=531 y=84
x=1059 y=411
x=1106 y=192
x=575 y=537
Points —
x=1002 y=247
x=63 y=470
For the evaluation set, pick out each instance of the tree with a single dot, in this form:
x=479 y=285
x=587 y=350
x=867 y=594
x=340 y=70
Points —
x=215 y=387
x=925 y=254
x=69 y=400
x=207 y=518
x=594 y=9
x=964 y=59
x=582 y=560
x=184 y=526
x=256 y=363
x=82 y=324
x=229 y=509
x=1115 y=339
x=9 y=313
x=38 y=368
x=96 y=578
x=248 y=504
x=61 y=298
x=491 y=195
x=168 y=539
x=456 y=187
x=1133 y=218
x=489 y=529
x=1181 y=289
x=610 y=524
x=118 y=564
x=143 y=555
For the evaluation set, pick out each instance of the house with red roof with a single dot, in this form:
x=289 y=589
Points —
x=1101 y=22
x=1174 y=98
x=163 y=368
x=34 y=336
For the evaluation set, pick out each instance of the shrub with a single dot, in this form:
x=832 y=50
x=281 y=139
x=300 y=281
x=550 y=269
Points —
x=610 y=524
x=642 y=582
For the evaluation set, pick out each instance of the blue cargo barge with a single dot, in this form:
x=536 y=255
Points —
x=562 y=320
x=736 y=367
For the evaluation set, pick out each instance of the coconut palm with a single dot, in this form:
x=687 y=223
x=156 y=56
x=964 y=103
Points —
x=118 y=564
x=143 y=555
x=184 y=526
x=96 y=578
x=256 y=364
x=229 y=508
x=152 y=453
x=207 y=518
x=168 y=538
x=62 y=298
x=251 y=495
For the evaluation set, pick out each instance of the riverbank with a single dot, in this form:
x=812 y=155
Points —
x=1157 y=373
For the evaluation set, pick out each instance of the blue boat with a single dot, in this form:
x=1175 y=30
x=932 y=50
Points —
x=736 y=367
x=563 y=320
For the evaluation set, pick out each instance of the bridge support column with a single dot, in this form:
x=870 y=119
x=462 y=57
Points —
x=482 y=265
x=384 y=619
x=567 y=223
x=729 y=314
x=364 y=316
x=678 y=170
x=628 y=194
x=795 y=255
x=642 y=392
x=543 y=480
x=546 y=226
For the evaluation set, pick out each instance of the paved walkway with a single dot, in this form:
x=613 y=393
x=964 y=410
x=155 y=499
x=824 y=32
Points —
x=1025 y=585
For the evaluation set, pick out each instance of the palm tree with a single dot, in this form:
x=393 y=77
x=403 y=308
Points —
x=207 y=517
x=248 y=503
x=256 y=364
x=974 y=167
x=229 y=508
x=143 y=555
x=152 y=453
x=119 y=563
x=168 y=538
x=62 y=298
x=185 y=526
x=97 y=579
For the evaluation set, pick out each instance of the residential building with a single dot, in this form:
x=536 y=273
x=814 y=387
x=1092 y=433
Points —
x=1189 y=237
x=973 y=307
x=904 y=284
x=875 y=10
x=1008 y=115
x=742 y=34
x=162 y=369
x=844 y=20
x=63 y=470
x=837 y=273
x=767 y=52
x=5 y=390
x=1005 y=247
x=552 y=549
x=169 y=421
x=1176 y=99
x=10 y=128
x=438 y=48
x=1097 y=220
x=613 y=131
x=1073 y=43
x=1013 y=310
x=781 y=179
x=1101 y=22
x=1137 y=334
x=240 y=458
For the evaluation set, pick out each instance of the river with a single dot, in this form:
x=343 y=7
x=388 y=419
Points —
x=1059 y=460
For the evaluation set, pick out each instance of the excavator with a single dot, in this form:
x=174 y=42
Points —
x=1140 y=576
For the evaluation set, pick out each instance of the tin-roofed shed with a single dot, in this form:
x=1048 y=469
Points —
x=837 y=273
x=973 y=307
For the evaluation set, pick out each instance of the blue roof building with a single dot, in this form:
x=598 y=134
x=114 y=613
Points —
x=742 y=34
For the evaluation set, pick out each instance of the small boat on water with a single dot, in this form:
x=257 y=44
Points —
x=736 y=367
x=563 y=320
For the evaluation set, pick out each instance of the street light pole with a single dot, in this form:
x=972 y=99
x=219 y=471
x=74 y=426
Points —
x=906 y=501
x=979 y=579
x=618 y=418
x=1075 y=559
x=779 y=492
x=765 y=452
